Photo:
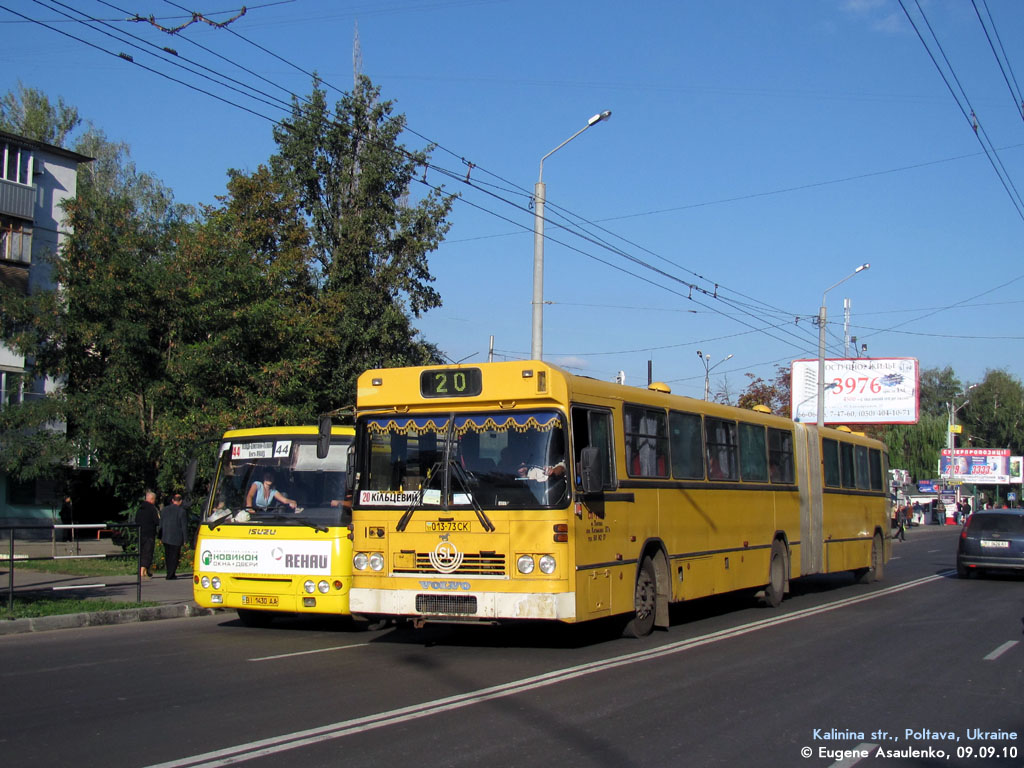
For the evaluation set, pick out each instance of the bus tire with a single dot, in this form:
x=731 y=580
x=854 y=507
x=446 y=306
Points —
x=776 y=587
x=252 y=618
x=645 y=601
x=875 y=570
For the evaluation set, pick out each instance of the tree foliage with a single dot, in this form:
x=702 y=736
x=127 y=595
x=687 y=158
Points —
x=170 y=326
x=774 y=394
x=28 y=112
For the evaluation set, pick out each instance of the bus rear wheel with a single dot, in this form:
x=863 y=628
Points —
x=776 y=587
x=645 y=598
x=874 y=572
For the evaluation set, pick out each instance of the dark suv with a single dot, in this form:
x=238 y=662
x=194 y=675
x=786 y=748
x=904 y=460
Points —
x=993 y=539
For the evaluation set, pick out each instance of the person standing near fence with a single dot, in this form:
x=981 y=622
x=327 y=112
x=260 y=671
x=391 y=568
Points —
x=173 y=533
x=147 y=518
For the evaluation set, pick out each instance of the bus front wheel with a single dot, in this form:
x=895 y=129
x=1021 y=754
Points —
x=644 y=601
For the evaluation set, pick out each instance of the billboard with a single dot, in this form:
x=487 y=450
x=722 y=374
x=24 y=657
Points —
x=857 y=390
x=990 y=466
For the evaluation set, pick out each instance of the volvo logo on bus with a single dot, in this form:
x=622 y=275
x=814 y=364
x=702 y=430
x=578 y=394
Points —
x=445 y=557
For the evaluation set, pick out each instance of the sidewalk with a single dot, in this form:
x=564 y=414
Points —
x=174 y=598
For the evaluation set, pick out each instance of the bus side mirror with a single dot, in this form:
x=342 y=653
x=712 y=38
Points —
x=350 y=470
x=190 y=474
x=323 y=437
x=590 y=471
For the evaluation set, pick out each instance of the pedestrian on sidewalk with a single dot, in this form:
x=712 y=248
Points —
x=173 y=533
x=147 y=518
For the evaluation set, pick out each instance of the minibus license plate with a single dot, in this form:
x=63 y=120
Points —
x=448 y=526
x=268 y=600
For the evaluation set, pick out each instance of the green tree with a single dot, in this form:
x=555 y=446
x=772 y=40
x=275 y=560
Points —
x=351 y=178
x=917 y=447
x=938 y=386
x=28 y=112
x=994 y=415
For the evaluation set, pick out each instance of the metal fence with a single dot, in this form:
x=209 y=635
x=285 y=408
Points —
x=75 y=547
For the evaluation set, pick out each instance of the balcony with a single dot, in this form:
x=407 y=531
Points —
x=17 y=200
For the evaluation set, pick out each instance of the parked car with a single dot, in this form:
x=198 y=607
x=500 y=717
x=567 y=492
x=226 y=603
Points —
x=991 y=539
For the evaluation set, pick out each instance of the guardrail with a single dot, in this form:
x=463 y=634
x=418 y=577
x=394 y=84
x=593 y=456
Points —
x=98 y=527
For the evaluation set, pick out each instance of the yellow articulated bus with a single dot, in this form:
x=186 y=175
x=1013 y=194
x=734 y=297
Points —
x=508 y=491
x=275 y=536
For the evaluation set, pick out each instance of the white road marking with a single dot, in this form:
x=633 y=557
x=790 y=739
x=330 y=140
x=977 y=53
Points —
x=306 y=653
x=288 y=741
x=1001 y=650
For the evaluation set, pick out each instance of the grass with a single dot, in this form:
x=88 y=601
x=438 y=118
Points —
x=120 y=565
x=27 y=608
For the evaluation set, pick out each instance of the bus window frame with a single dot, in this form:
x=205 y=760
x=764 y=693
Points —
x=753 y=429
x=661 y=439
x=831 y=475
x=731 y=450
x=698 y=445
x=781 y=457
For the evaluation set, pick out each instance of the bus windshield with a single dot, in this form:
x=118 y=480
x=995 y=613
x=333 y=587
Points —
x=491 y=460
x=279 y=480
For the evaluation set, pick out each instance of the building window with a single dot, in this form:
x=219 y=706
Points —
x=15 y=240
x=15 y=163
x=11 y=388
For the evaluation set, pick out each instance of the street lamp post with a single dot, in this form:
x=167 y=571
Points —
x=708 y=368
x=822 y=315
x=953 y=410
x=537 y=343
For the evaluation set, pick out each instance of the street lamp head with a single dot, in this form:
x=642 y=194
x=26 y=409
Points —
x=699 y=354
x=599 y=117
x=861 y=268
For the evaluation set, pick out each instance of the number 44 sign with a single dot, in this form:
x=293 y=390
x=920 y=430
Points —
x=858 y=390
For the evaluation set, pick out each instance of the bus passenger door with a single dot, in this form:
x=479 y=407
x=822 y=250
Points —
x=594 y=519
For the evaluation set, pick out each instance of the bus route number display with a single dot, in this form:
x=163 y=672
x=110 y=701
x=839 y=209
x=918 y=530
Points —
x=451 y=382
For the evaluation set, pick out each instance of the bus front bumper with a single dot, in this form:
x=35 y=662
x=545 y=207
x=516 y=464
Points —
x=463 y=606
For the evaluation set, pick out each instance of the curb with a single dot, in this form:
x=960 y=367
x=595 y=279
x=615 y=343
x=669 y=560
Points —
x=103 y=618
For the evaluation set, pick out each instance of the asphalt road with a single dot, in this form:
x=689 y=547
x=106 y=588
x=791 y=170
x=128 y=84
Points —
x=923 y=664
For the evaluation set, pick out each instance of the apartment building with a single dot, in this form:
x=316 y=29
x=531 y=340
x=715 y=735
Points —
x=35 y=178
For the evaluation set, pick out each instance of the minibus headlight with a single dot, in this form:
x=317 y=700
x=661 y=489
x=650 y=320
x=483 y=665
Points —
x=525 y=564
x=376 y=561
x=547 y=564
x=323 y=586
x=360 y=561
x=216 y=582
x=309 y=586
x=205 y=581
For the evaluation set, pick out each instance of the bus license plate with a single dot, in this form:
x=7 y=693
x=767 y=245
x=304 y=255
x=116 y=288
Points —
x=448 y=526
x=259 y=600
x=987 y=544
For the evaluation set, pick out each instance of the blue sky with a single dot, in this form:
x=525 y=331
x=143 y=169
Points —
x=764 y=147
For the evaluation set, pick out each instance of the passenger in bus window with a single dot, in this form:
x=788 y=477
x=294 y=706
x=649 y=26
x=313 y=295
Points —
x=263 y=494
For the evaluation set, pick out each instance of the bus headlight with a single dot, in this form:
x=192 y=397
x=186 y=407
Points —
x=323 y=586
x=205 y=581
x=216 y=582
x=360 y=561
x=376 y=561
x=309 y=586
x=547 y=564
x=525 y=564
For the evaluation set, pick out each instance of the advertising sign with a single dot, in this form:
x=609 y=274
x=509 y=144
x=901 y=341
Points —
x=857 y=391
x=990 y=466
x=277 y=557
